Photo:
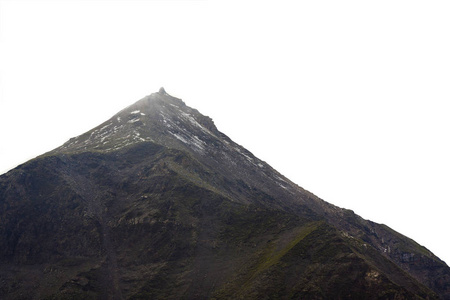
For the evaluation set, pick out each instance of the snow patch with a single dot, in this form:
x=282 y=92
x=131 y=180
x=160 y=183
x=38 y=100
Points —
x=282 y=186
x=245 y=155
x=191 y=140
x=104 y=127
x=180 y=138
x=166 y=120
x=281 y=182
x=198 y=142
x=193 y=121
x=134 y=120
x=280 y=179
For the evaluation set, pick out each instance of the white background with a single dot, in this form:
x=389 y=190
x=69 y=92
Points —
x=349 y=99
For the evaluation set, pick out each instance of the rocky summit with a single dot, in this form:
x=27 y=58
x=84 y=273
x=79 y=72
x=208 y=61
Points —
x=157 y=203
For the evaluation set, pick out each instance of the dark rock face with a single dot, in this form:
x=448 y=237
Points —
x=156 y=203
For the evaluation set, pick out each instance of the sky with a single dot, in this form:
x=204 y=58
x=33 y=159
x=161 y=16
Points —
x=348 y=99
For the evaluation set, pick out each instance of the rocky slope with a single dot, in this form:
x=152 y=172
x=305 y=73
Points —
x=156 y=203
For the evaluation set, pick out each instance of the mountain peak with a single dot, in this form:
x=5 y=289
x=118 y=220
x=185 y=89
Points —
x=162 y=91
x=159 y=118
x=157 y=203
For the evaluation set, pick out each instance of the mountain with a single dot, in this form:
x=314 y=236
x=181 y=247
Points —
x=157 y=203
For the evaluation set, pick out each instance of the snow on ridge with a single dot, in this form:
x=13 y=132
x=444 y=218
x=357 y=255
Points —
x=177 y=127
x=190 y=140
x=191 y=119
x=283 y=183
x=280 y=179
x=112 y=135
x=245 y=155
x=174 y=121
